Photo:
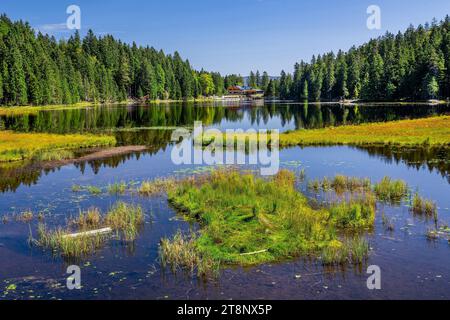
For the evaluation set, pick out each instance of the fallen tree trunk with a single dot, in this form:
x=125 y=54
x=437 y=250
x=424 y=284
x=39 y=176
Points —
x=253 y=253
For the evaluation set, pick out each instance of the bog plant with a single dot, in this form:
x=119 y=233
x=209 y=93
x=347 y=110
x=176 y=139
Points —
x=246 y=220
x=389 y=190
x=123 y=218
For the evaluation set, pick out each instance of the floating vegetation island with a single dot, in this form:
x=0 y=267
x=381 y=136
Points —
x=246 y=220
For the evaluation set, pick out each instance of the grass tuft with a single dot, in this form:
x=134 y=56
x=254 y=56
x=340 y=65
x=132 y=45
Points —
x=118 y=188
x=123 y=218
x=126 y=219
x=389 y=190
x=421 y=206
x=25 y=217
x=157 y=187
x=246 y=220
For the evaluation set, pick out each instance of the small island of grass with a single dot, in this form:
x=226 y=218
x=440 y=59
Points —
x=246 y=220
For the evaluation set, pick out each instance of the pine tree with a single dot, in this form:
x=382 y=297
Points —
x=1 y=87
x=305 y=91
x=265 y=81
x=252 y=82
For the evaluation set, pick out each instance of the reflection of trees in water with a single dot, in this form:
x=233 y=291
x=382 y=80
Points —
x=11 y=178
x=305 y=115
x=432 y=158
x=29 y=173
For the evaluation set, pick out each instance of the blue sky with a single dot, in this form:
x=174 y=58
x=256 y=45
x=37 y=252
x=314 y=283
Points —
x=232 y=36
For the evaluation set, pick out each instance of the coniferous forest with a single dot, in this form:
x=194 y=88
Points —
x=37 y=69
x=414 y=65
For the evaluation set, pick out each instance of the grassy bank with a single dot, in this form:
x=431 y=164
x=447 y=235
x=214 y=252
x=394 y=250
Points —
x=25 y=110
x=247 y=220
x=433 y=131
x=20 y=146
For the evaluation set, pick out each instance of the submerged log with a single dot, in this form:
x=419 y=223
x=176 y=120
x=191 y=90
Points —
x=89 y=233
x=253 y=253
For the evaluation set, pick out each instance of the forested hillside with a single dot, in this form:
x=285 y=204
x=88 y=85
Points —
x=413 y=65
x=37 y=69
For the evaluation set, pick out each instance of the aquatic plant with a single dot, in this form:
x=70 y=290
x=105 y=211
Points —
x=181 y=252
x=91 y=228
x=353 y=251
x=314 y=185
x=157 y=187
x=77 y=188
x=60 y=242
x=89 y=220
x=421 y=206
x=391 y=190
x=94 y=190
x=356 y=213
x=118 y=188
x=247 y=220
x=126 y=219
x=54 y=155
x=25 y=217
x=341 y=184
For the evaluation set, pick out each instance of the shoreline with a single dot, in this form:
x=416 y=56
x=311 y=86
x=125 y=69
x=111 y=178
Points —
x=18 y=110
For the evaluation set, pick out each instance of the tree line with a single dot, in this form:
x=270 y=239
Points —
x=36 y=69
x=414 y=65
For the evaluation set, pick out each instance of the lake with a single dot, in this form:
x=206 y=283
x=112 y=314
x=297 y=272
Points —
x=413 y=267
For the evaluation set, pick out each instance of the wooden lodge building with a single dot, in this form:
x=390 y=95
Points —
x=245 y=92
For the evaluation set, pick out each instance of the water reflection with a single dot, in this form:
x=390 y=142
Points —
x=432 y=158
x=270 y=115
x=12 y=177
x=152 y=127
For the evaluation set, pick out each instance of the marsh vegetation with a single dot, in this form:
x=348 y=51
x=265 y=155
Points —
x=246 y=220
x=89 y=231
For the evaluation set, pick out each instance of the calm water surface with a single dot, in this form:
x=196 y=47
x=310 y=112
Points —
x=412 y=267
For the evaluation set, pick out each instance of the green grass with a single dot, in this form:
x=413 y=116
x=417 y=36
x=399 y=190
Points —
x=54 y=155
x=356 y=213
x=89 y=220
x=354 y=251
x=247 y=220
x=126 y=219
x=118 y=188
x=69 y=247
x=157 y=187
x=123 y=218
x=181 y=253
x=94 y=190
x=421 y=206
x=340 y=184
x=46 y=146
x=389 y=190
x=434 y=131
x=28 y=110
x=76 y=188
